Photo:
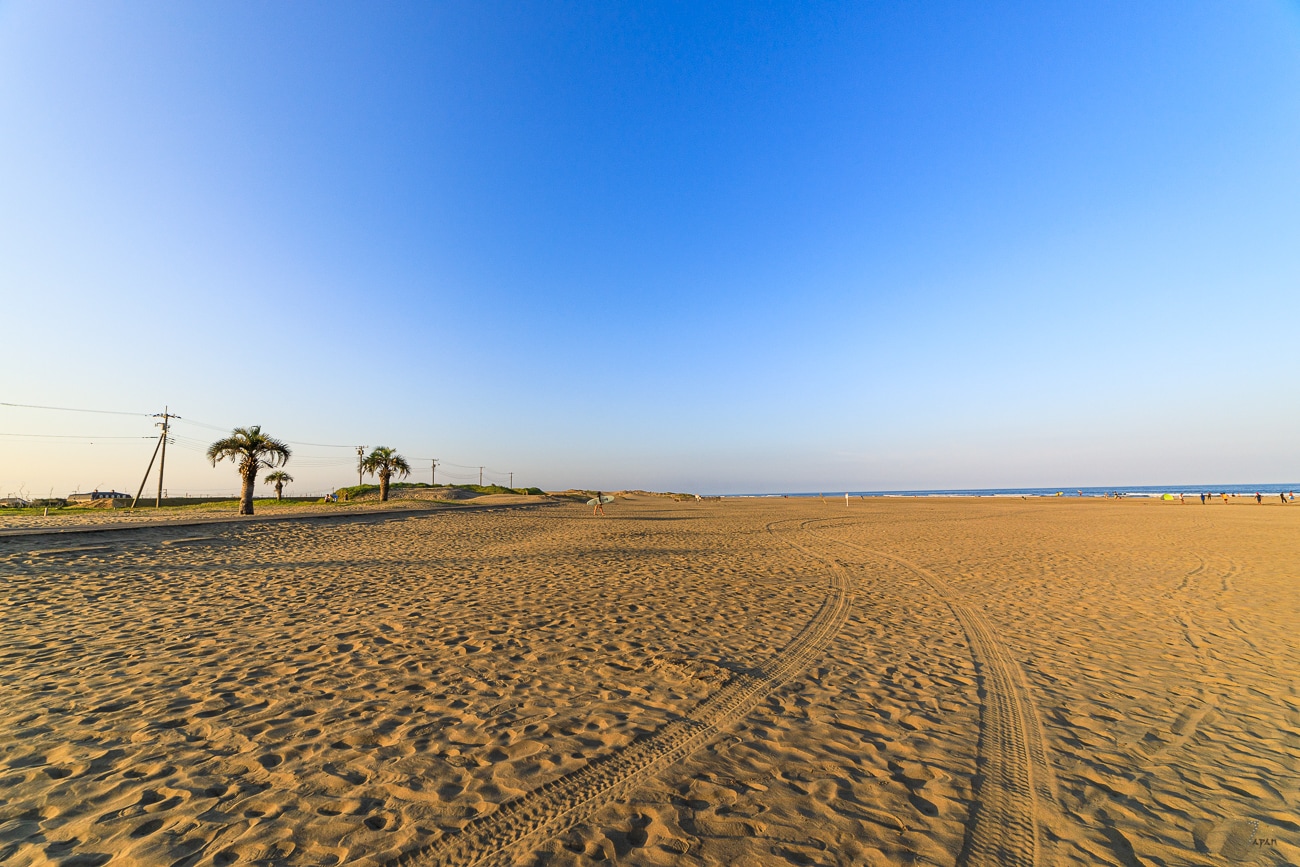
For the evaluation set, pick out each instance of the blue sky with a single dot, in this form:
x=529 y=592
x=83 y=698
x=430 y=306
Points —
x=736 y=248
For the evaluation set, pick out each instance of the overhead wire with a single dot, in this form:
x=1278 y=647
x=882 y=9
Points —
x=74 y=409
x=193 y=444
x=202 y=424
x=307 y=461
x=290 y=442
x=76 y=436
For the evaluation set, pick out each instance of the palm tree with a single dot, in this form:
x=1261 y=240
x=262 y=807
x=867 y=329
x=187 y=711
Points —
x=252 y=450
x=279 y=478
x=385 y=462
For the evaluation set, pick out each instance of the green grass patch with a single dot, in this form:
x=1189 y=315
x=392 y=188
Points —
x=395 y=489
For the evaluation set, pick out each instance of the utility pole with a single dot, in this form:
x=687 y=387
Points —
x=512 y=481
x=433 y=472
x=147 y=471
x=480 y=477
x=361 y=450
x=166 y=417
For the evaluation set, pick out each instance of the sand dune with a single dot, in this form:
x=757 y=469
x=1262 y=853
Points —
x=969 y=682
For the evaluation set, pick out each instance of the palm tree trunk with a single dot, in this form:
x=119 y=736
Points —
x=383 y=487
x=246 y=496
x=279 y=486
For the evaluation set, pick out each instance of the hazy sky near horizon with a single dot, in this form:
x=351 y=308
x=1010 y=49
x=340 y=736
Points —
x=706 y=247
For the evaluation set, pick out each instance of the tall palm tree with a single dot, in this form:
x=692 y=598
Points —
x=251 y=450
x=279 y=478
x=384 y=462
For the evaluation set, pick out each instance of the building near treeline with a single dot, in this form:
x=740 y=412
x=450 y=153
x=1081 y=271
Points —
x=112 y=497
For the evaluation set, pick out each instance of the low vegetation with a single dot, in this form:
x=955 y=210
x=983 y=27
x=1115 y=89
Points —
x=352 y=492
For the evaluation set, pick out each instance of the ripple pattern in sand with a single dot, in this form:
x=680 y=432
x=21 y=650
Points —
x=1016 y=796
x=496 y=837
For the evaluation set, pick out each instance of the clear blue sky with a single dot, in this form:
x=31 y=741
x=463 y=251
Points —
x=713 y=248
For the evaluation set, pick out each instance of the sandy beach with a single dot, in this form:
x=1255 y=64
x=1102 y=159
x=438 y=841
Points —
x=736 y=682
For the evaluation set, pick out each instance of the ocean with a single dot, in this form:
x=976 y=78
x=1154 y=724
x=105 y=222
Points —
x=1270 y=489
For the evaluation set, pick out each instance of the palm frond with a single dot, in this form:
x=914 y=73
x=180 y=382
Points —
x=385 y=460
x=249 y=444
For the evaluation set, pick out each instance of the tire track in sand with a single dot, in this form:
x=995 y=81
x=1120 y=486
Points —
x=554 y=806
x=1015 y=792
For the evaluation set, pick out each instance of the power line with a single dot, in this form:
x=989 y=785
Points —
x=75 y=436
x=75 y=409
x=206 y=425
x=290 y=442
x=299 y=460
x=192 y=444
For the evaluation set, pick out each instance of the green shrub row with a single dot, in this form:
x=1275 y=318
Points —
x=354 y=491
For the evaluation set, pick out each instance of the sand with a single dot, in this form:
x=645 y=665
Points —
x=930 y=681
x=12 y=521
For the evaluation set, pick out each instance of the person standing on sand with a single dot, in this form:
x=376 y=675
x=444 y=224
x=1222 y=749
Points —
x=1258 y=499
x=1202 y=498
x=600 y=507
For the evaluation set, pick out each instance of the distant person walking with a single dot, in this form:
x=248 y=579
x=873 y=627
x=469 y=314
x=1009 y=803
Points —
x=1281 y=496
x=1202 y=498
x=600 y=507
x=1259 y=498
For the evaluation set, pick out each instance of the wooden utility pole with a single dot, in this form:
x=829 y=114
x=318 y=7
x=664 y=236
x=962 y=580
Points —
x=480 y=477
x=162 y=463
x=166 y=415
x=361 y=450
x=433 y=471
x=512 y=481
x=146 y=473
